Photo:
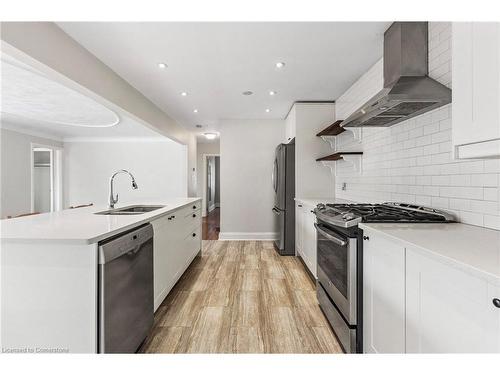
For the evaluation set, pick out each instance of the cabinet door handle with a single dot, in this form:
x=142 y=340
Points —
x=300 y=205
x=194 y=207
x=366 y=238
x=194 y=234
x=173 y=216
x=194 y=215
x=496 y=302
x=169 y=218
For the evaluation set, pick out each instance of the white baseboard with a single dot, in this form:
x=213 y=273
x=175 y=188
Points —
x=246 y=236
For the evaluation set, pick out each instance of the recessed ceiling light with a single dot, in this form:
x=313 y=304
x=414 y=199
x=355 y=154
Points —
x=210 y=135
x=195 y=110
x=247 y=92
x=184 y=93
x=162 y=65
x=272 y=93
x=280 y=65
x=268 y=110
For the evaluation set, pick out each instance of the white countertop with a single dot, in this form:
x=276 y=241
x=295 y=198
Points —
x=81 y=225
x=471 y=248
x=313 y=202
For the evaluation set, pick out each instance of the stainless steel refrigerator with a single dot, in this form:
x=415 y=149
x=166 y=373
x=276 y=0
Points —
x=284 y=195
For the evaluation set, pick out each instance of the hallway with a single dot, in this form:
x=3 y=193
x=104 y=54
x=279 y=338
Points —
x=211 y=225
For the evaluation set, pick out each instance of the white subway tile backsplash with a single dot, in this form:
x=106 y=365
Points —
x=412 y=161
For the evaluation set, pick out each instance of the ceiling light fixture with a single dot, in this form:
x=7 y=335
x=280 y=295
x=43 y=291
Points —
x=280 y=65
x=210 y=135
x=162 y=65
x=247 y=92
x=268 y=110
x=195 y=110
x=272 y=93
x=184 y=93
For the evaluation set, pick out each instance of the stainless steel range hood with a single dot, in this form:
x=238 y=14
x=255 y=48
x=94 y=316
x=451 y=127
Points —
x=408 y=90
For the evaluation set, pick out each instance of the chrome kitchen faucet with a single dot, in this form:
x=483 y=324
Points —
x=112 y=199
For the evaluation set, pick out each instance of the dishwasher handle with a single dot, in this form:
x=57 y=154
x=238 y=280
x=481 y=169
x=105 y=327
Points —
x=129 y=243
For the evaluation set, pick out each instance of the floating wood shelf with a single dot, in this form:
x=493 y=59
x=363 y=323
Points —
x=337 y=156
x=333 y=130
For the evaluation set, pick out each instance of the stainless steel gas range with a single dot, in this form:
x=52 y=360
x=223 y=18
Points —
x=340 y=259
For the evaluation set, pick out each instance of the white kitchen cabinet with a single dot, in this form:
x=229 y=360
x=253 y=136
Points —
x=448 y=310
x=290 y=127
x=476 y=89
x=299 y=232
x=383 y=295
x=305 y=235
x=309 y=240
x=177 y=240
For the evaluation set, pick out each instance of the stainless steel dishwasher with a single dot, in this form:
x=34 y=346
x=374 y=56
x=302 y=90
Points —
x=125 y=290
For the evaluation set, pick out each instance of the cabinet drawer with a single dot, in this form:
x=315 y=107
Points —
x=189 y=209
x=193 y=241
x=191 y=222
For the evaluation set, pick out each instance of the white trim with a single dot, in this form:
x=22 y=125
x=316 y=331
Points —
x=246 y=236
x=204 y=183
x=56 y=178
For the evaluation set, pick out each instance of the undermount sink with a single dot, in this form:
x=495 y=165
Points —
x=130 y=210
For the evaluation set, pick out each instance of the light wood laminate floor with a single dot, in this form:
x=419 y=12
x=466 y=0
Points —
x=242 y=297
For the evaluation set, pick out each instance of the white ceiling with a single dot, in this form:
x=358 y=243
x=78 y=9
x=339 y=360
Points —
x=33 y=102
x=215 y=62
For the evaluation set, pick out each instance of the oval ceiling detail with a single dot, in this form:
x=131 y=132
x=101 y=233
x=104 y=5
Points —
x=31 y=95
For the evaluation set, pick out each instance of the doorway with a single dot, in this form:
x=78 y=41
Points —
x=46 y=179
x=211 y=197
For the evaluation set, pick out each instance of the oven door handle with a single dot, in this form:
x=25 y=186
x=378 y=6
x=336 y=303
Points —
x=331 y=237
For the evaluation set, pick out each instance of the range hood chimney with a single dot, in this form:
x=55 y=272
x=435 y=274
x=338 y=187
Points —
x=408 y=90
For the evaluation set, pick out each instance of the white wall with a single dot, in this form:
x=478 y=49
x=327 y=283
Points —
x=158 y=166
x=312 y=179
x=15 y=173
x=192 y=157
x=204 y=148
x=412 y=161
x=247 y=153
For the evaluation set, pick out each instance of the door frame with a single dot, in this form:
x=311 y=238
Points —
x=204 y=184
x=56 y=181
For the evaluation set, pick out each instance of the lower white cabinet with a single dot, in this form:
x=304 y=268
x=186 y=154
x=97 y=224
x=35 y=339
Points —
x=448 y=310
x=415 y=303
x=305 y=235
x=383 y=295
x=177 y=240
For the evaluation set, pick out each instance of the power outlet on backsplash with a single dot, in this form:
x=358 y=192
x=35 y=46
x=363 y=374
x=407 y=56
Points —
x=344 y=186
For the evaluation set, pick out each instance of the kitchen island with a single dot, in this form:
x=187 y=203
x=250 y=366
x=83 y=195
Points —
x=49 y=270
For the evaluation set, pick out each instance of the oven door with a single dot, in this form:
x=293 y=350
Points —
x=337 y=269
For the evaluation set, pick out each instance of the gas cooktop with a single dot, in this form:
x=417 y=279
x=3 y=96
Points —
x=349 y=215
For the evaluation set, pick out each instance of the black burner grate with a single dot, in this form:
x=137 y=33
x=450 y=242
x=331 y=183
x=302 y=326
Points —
x=384 y=213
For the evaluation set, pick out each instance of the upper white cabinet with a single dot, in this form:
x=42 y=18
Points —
x=476 y=89
x=304 y=121
x=383 y=295
x=290 y=126
x=447 y=310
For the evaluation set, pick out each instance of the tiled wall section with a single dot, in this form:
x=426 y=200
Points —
x=412 y=161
